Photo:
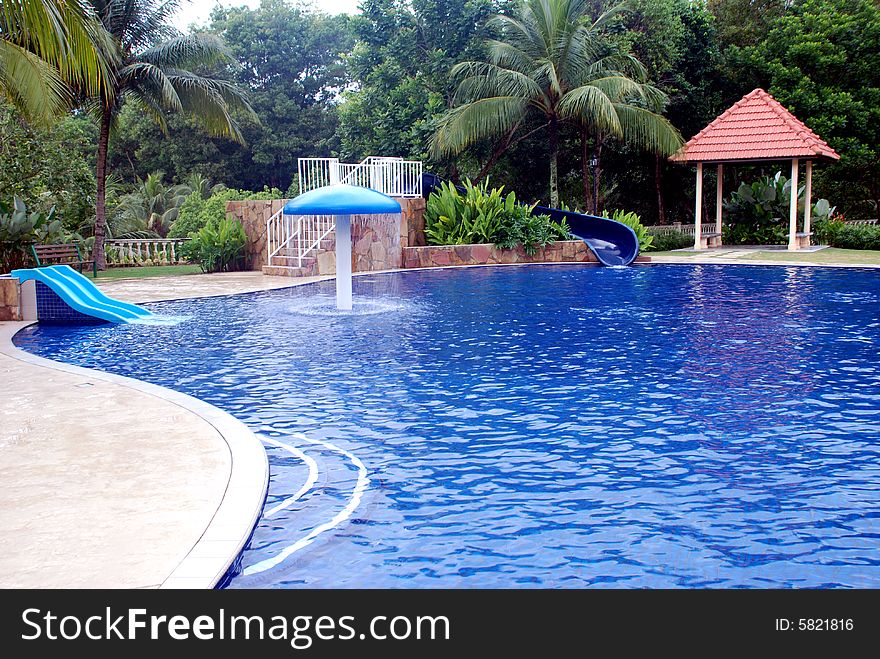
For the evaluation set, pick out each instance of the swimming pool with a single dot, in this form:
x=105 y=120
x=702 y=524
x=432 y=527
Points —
x=542 y=426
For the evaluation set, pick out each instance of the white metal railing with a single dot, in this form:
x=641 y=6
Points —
x=395 y=177
x=136 y=251
x=290 y=237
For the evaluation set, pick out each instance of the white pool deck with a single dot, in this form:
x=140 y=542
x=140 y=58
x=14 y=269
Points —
x=108 y=482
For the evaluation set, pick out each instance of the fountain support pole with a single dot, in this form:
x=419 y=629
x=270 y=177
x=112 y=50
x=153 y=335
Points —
x=343 y=262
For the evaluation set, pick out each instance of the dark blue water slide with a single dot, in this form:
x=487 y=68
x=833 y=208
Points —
x=613 y=243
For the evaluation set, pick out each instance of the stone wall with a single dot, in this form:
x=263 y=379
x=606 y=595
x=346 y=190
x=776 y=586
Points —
x=412 y=226
x=10 y=304
x=253 y=216
x=568 y=251
x=376 y=242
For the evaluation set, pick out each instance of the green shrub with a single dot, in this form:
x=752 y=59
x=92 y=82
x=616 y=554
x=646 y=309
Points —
x=218 y=246
x=520 y=227
x=20 y=229
x=480 y=216
x=846 y=236
x=669 y=240
x=634 y=222
x=745 y=234
x=196 y=212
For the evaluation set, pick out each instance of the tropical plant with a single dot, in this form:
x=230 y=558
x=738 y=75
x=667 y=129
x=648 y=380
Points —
x=201 y=185
x=479 y=215
x=836 y=233
x=152 y=204
x=474 y=216
x=634 y=222
x=758 y=212
x=551 y=65
x=159 y=69
x=218 y=246
x=20 y=229
x=670 y=240
x=44 y=43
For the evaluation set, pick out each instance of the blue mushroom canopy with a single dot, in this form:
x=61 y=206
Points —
x=341 y=199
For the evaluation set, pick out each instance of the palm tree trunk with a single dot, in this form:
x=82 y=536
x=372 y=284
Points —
x=554 y=164
x=100 y=197
x=658 y=186
x=585 y=168
x=597 y=177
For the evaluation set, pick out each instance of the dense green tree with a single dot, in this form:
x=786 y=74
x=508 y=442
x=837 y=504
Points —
x=49 y=167
x=821 y=60
x=401 y=66
x=160 y=71
x=140 y=147
x=745 y=22
x=551 y=62
x=291 y=57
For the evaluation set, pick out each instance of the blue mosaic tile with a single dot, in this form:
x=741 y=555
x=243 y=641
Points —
x=52 y=310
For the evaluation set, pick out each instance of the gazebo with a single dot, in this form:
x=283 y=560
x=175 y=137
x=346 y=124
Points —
x=755 y=129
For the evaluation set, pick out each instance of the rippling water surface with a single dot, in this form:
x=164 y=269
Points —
x=546 y=426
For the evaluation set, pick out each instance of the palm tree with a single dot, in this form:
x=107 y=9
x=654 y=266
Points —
x=43 y=45
x=201 y=185
x=156 y=71
x=550 y=65
x=152 y=205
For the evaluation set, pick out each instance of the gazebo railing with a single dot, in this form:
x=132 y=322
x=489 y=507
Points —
x=686 y=229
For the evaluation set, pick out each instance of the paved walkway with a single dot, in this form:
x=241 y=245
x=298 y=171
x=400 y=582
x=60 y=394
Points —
x=106 y=482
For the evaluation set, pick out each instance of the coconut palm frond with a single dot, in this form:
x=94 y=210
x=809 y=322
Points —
x=31 y=84
x=648 y=130
x=482 y=119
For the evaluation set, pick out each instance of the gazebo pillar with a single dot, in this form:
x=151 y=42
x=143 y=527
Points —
x=808 y=200
x=698 y=210
x=719 y=195
x=792 y=208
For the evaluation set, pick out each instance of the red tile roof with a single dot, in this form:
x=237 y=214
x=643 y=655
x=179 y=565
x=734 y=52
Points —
x=756 y=127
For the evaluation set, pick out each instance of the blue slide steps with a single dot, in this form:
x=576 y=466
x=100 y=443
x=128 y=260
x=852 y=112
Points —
x=613 y=243
x=81 y=295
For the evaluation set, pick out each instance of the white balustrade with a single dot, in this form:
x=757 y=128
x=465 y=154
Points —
x=140 y=251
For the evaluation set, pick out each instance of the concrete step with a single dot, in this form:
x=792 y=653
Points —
x=286 y=271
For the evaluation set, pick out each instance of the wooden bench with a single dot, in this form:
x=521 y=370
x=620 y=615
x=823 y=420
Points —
x=66 y=254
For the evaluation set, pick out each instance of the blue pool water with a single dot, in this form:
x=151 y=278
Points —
x=545 y=426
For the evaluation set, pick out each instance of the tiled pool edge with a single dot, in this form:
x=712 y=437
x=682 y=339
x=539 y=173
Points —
x=232 y=523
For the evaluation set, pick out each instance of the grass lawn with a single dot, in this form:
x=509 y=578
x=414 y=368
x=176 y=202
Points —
x=146 y=271
x=829 y=256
